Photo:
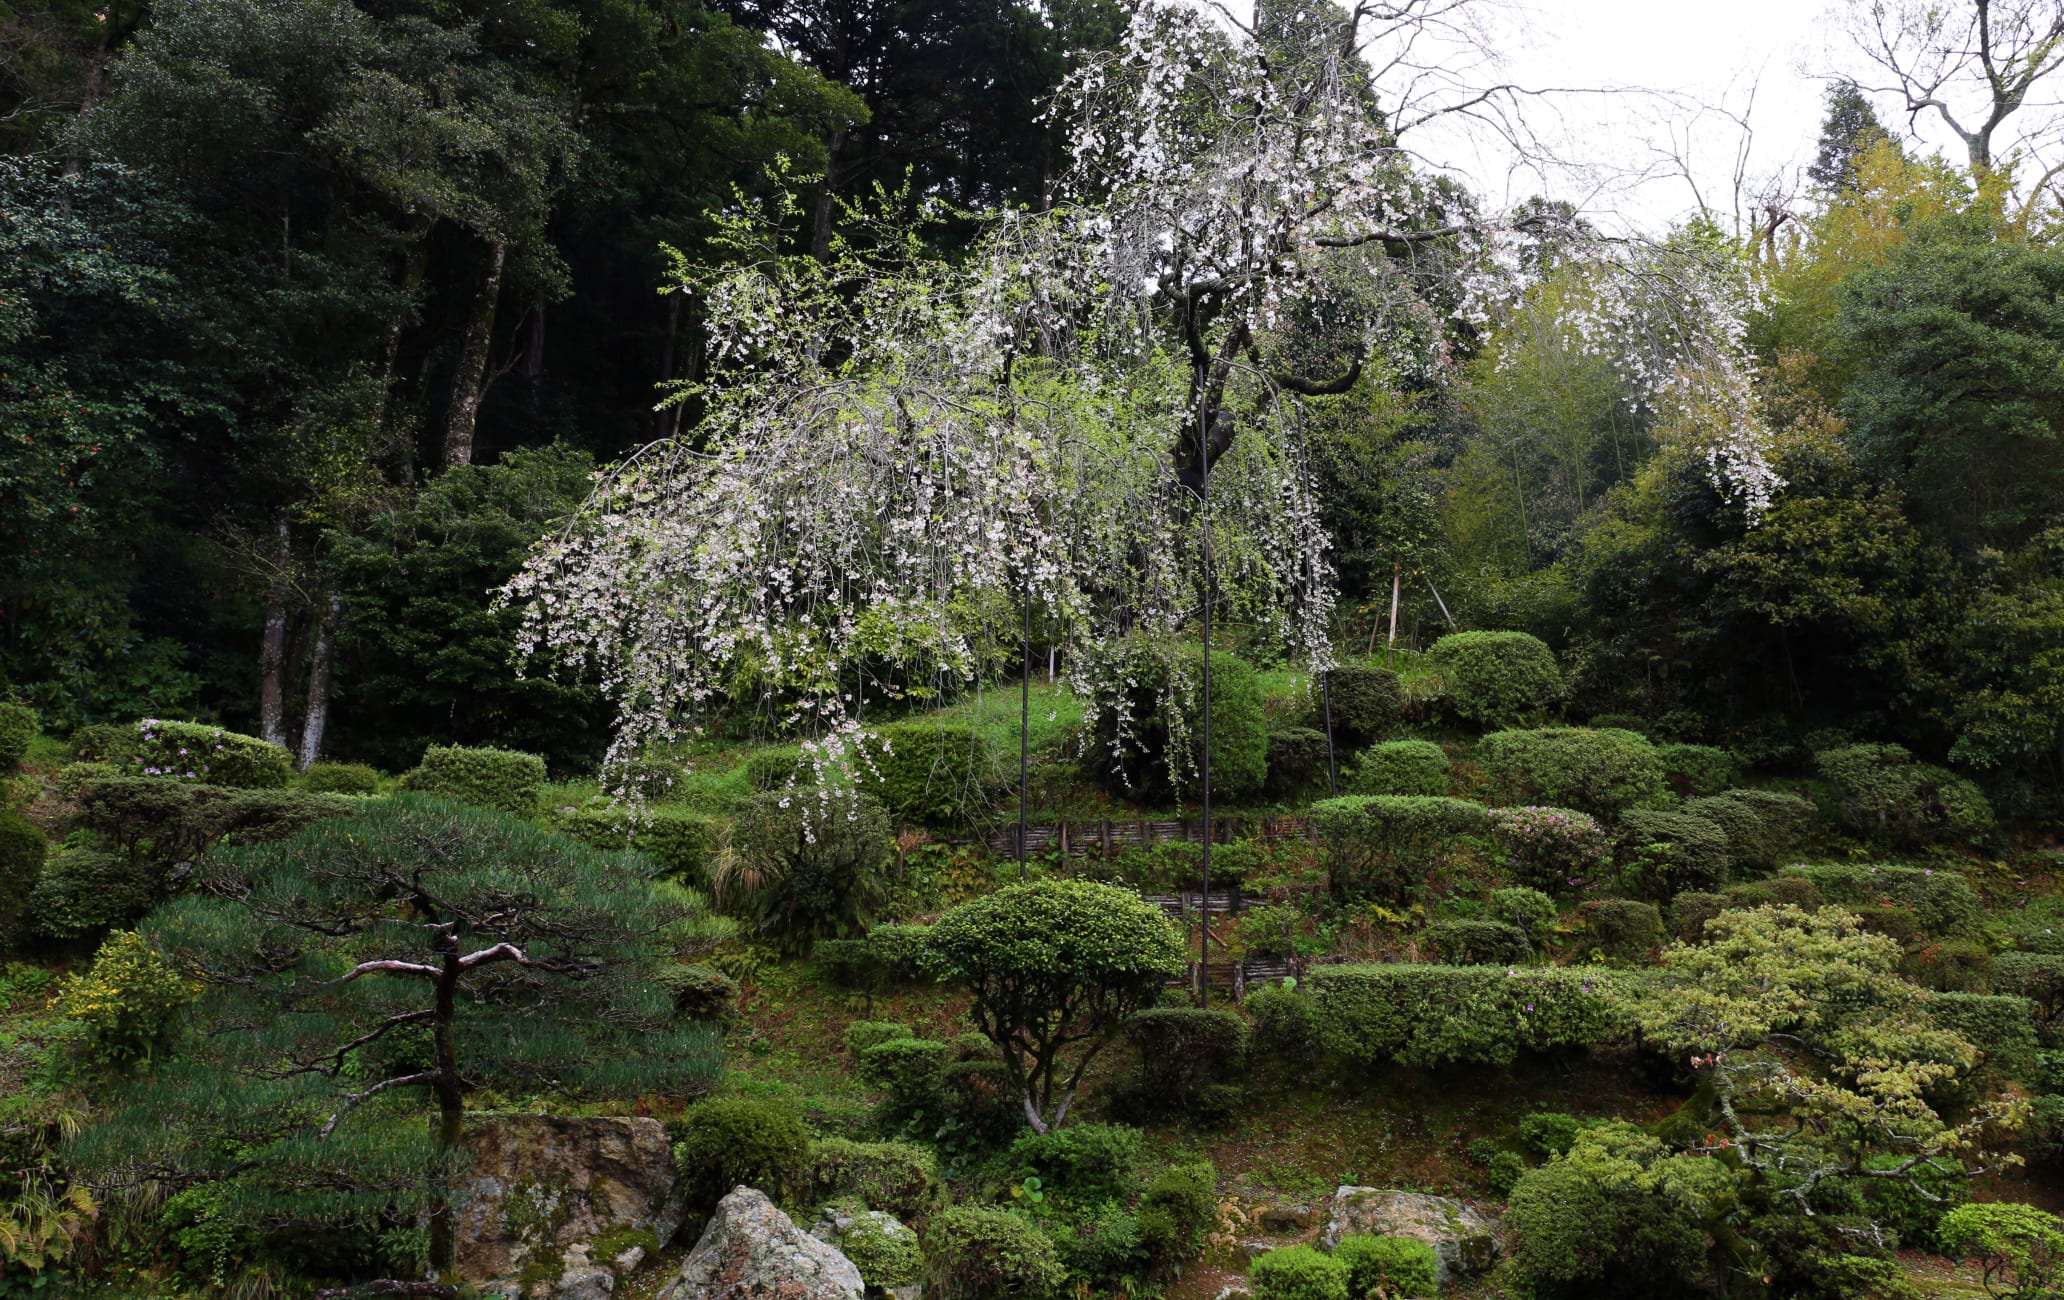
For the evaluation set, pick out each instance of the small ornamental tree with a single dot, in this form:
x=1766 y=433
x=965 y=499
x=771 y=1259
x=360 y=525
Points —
x=376 y=966
x=1055 y=967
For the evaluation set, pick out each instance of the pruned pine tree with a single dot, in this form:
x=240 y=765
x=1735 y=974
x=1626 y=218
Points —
x=361 y=980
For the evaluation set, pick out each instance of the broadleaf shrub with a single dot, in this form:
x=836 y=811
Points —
x=1613 y=1217
x=193 y=751
x=1621 y=928
x=1426 y=1016
x=680 y=843
x=1382 y=845
x=1176 y=1215
x=1297 y=1273
x=1403 y=767
x=128 y=1000
x=1497 y=679
x=1530 y=910
x=1690 y=911
x=340 y=778
x=1367 y=703
x=22 y=850
x=724 y=1141
x=488 y=778
x=2002 y=1028
x=1883 y=793
x=1086 y=1163
x=979 y=1253
x=1694 y=770
x=934 y=773
x=1297 y=760
x=1600 y=772
x=1942 y=901
x=1145 y=714
x=1285 y=1027
x=905 y=1068
x=1558 y=851
x=2037 y=976
x=894 y=1176
x=19 y=727
x=1184 y=1053
x=1751 y=841
x=1478 y=943
x=84 y=890
x=1664 y=853
x=1400 y=1266
x=700 y=992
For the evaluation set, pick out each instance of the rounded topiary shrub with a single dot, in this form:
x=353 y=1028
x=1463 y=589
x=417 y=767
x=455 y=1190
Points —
x=1297 y=760
x=863 y=1034
x=976 y=1252
x=340 y=778
x=193 y=751
x=1381 y=846
x=1188 y=1056
x=1558 y=851
x=18 y=730
x=1694 y=770
x=679 y=842
x=1621 y=928
x=1086 y=1162
x=884 y=1250
x=1403 y=767
x=799 y=869
x=1600 y=772
x=1751 y=841
x=1478 y=943
x=1882 y=793
x=22 y=849
x=894 y=1176
x=1367 y=703
x=700 y=993
x=1390 y=1266
x=1662 y=854
x=934 y=773
x=85 y=891
x=1581 y=1227
x=1532 y=912
x=489 y=778
x=1298 y=1273
x=1145 y=711
x=725 y=1142
x=1497 y=679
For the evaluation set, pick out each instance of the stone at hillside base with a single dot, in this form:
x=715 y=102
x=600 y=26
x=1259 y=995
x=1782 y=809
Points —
x=834 y=1221
x=555 y=1207
x=1463 y=1241
x=752 y=1251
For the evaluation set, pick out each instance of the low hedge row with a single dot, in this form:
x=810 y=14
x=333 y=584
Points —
x=682 y=844
x=1943 y=902
x=1425 y=1015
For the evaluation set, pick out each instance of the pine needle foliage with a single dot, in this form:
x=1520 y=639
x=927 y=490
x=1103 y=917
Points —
x=364 y=976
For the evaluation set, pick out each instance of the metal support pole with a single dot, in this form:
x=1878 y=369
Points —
x=1025 y=728
x=1204 y=493
x=1332 y=768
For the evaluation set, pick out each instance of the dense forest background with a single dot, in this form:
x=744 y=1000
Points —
x=315 y=315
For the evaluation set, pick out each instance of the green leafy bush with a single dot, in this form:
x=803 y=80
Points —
x=85 y=890
x=105 y=742
x=1883 y=793
x=22 y=850
x=2002 y=1028
x=978 y=1253
x=1285 y=1028
x=723 y=1142
x=19 y=727
x=1664 y=853
x=776 y=767
x=1942 y=901
x=862 y=1035
x=700 y=993
x=1690 y=911
x=1085 y=1163
x=1786 y=817
x=934 y=773
x=1297 y=1273
x=907 y=1069
x=1478 y=943
x=897 y=952
x=1548 y=1133
x=1556 y=850
x=2011 y=1241
x=1913 y=1206
x=340 y=778
x=1401 y=1266
x=172 y=821
x=2037 y=976
x=1271 y=930
x=1532 y=912
x=982 y=1104
x=1951 y=966
x=1176 y=1215
x=487 y=778
x=1427 y=1016
x=1613 y=1217
x=1382 y=845
x=799 y=870
x=897 y=1177
x=192 y=751
x=1367 y=703
x=1600 y=772
x=1751 y=842
x=1187 y=1060
x=885 y=1251
x=1778 y=891
x=1694 y=770
x=681 y=843
x=1146 y=716
x=1497 y=679
x=1621 y=928
x=1409 y=767
x=1297 y=760
x=128 y=1000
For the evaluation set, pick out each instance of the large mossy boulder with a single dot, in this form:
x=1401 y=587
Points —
x=752 y=1251
x=1464 y=1242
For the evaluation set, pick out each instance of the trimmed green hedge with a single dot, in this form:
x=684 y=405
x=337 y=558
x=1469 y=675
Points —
x=1883 y=793
x=1298 y=1273
x=1695 y=770
x=192 y=751
x=934 y=773
x=1661 y=854
x=490 y=778
x=1419 y=1015
x=22 y=849
x=980 y=1253
x=1497 y=679
x=2037 y=976
x=1621 y=928
x=682 y=844
x=19 y=727
x=724 y=1141
x=1367 y=703
x=1478 y=943
x=340 y=778
x=85 y=891
x=1942 y=901
x=1297 y=760
x=894 y=1176
x=2002 y=1028
x=1600 y=772
x=1403 y=767
x=1148 y=715
x=1382 y=845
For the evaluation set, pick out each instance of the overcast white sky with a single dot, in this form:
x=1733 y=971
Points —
x=1719 y=52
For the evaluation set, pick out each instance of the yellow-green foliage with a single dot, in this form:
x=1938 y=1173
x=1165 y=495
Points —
x=127 y=1001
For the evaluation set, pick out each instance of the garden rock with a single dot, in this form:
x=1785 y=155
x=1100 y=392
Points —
x=1463 y=1241
x=1288 y=1218
x=566 y=1205
x=834 y=1221
x=752 y=1251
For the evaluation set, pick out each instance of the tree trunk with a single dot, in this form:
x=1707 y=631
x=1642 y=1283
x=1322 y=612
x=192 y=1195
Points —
x=663 y=419
x=272 y=652
x=1396 y=579
x=318 y=717
x=820 y=233
x=451 y=1101
x=471 y=367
